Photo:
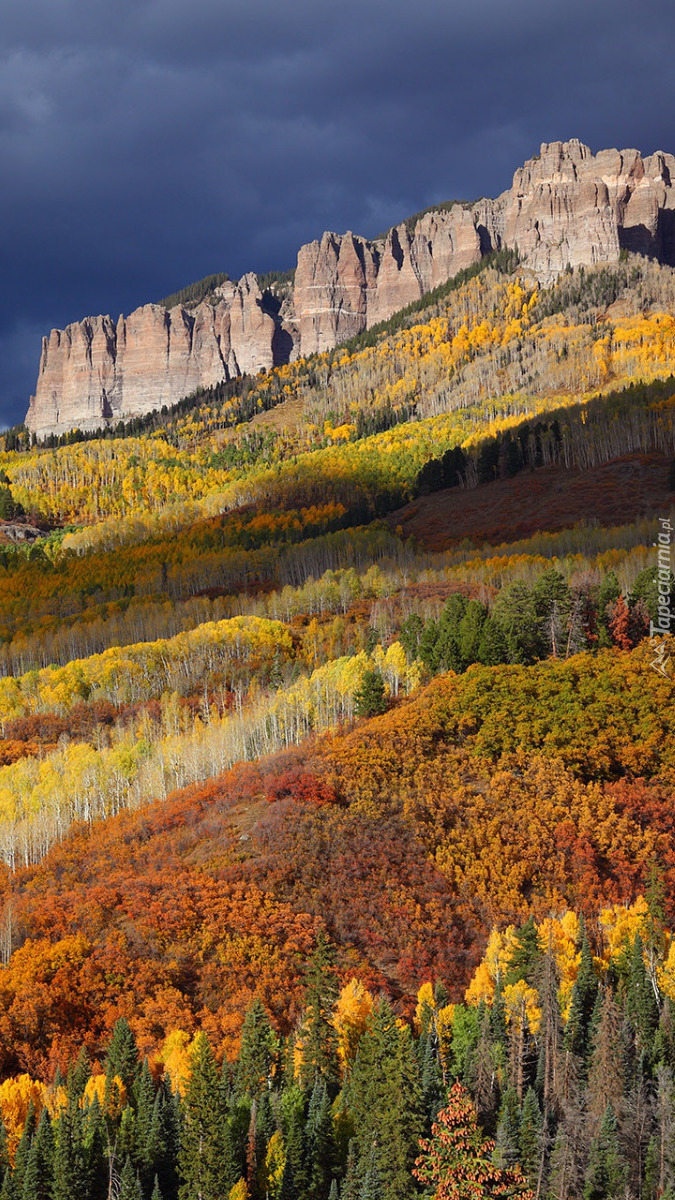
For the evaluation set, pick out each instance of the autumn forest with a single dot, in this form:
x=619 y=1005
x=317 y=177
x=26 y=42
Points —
x=337 y=838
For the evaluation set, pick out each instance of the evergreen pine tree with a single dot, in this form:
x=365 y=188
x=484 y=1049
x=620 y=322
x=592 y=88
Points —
x=492 y=648
x=152 y=1148
x=470 y=632
x=515 y=614
x=258 y=1053
x=584 y=996
x=8 y=1190
x=38 y=1182
x=606 y=1172
x=143 y=1099
x=293 y=1118
x=608 y=593
x=78 y=1076
x=370 y=697
x=205 y=1163
x=156 y=1190
x=122 y=1057
x=130 y=1186
x=371 y=1184
x=409 y=636
x=96 y=1143
x=71 y=1159
x=427 y=645
x=23 y=1151
x=350 y=1186
x=650 y=1189
x=319 y=1143
x=526 y=954
x=252 y=1161
x=530 y=1138
x=641 y=1004
x=605 y=1076
x=498 y=1027
x=385 y=1101
x=448 y=651
x=433 y=1091
x=318 y=1036
x=507 y=1139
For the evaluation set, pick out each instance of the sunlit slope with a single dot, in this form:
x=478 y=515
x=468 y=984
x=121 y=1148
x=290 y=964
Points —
x=368 y=416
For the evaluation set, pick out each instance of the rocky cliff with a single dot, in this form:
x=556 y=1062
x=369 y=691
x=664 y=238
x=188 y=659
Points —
x=566 y=207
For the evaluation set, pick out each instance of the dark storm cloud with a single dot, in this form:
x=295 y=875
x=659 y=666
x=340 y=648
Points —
x=146 y=144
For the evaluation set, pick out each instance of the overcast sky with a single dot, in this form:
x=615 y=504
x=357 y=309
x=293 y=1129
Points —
x=146 y=143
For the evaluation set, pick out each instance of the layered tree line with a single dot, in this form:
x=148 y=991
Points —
x=554 y=1078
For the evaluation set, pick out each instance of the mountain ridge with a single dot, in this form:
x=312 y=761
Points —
x=565 y=208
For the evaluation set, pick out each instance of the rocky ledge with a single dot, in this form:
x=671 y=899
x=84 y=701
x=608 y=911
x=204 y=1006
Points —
x=566 y=207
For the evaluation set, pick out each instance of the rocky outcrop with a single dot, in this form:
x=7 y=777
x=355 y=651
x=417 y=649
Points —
x=344 y=284
x=97 y=370
x=566 y=207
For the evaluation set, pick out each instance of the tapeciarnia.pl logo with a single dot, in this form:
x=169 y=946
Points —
x=661 y=659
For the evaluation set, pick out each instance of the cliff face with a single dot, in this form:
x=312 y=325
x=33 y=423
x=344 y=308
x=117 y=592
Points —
x=98 y=370
x=566 y=207
x=346 y=284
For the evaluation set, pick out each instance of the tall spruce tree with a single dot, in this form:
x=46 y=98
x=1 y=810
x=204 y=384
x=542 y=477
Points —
x=318 y=1036
x=507 y=1137
x=530 y=1138
x=72 y=1175
x=130 y=1185
x=319 y=1143
x=122 y=1056
x=385 y=1102
x=259 y=1051
x=205 y=1160
x=606 y=1173
x=38 y=1181
x=584 y=996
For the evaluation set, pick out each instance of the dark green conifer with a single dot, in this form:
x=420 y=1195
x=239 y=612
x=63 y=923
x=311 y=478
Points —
x=350 y=1186
x=584 y=997
x=319 y=1143
x=130 y=1185
x=409 y=636
x=652 y=1169
x=526 y=954
x=427 y=645
x=122 y=1057
x=470 y=632
x=38 y=1181
x=530 y=1138
x=319 y=1039
x=205 y=1160
x=258 y=1053
x=23 y=1150
x=492 y=648
x=641 y=1006
x=606 y=1172
x=385 y=1102
x=371 y=1187
x=433 y=1091
x=78 y=1076
x=507 y=1140
x=370 y=698
x=498 y=1027
x=72 y=1176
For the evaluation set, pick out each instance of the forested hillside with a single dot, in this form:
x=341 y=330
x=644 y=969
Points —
x=336 y=846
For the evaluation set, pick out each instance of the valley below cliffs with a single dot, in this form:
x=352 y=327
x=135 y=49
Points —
x=566 y=208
